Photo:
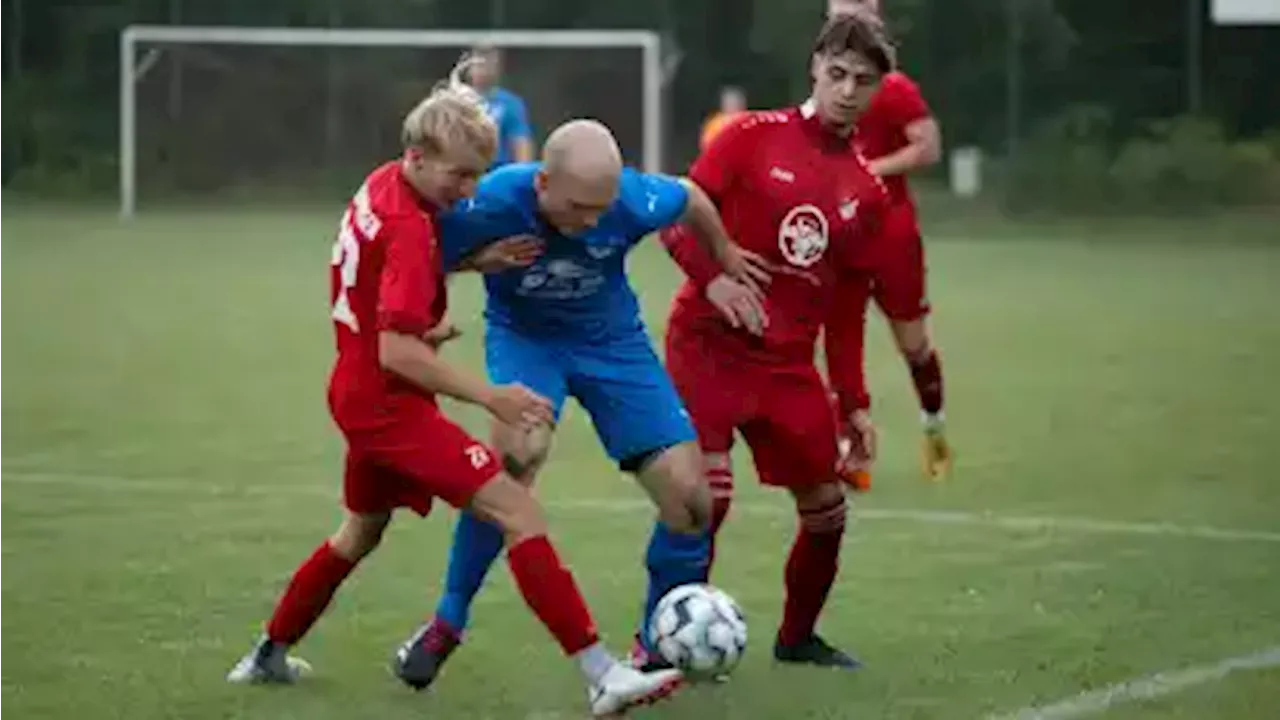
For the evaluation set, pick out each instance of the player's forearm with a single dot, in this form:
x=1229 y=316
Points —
x=692 y=257
x=703 y=221
x=844 y=335
x=414 y=360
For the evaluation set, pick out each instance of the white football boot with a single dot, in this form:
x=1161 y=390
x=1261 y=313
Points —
x=268 y=662
x=623 y=688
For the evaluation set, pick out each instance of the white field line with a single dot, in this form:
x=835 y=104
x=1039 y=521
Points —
x=1146 y=687
x=618 y=505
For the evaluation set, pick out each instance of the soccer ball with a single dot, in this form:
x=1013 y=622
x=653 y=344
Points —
x=699 y=629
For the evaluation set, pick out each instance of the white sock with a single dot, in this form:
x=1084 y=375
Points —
x=933 y=423
x=595 y=662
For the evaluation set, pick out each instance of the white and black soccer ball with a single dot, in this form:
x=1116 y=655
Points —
x=699 y=629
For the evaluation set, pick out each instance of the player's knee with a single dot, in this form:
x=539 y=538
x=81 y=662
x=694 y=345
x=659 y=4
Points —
x=511 y=506
x=675 y=479
x=523 y=451
x=912 y=339
x=359 y=534
x=822 y=508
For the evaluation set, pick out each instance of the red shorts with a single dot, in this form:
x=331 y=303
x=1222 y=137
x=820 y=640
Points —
x=412 y=458
x=783 y=413
x=898 y=272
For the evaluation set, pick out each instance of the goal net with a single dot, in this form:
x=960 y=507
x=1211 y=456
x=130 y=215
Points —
x=299 y=114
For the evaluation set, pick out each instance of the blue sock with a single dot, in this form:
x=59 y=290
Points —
x=476 y=544
x=673 y=559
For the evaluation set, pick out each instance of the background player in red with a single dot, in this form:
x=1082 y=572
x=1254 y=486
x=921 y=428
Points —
x=792 y=188
x=388 y=301
x=898 y=134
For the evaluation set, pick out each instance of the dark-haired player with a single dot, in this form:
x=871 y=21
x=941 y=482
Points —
x=792 y=188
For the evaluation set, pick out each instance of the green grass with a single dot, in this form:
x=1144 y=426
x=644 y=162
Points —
x=168 y=461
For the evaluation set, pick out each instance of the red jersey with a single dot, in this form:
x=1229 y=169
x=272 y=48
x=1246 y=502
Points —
x=882 y=127
x=802 y=198
x=386 y=275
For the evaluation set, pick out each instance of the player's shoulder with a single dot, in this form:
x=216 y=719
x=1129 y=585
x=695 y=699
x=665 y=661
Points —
x=756 y=122
x=899 y=80
x=386 y=201
x=509 y=183
x=639 y=192
x=897 y=85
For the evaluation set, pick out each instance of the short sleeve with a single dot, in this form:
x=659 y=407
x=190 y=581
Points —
x=516 y=120
x=715 y=168
x=904 y=101
x=652 y=201
x=410 y=281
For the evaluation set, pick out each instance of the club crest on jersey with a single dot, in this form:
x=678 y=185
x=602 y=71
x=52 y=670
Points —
x=802 y=236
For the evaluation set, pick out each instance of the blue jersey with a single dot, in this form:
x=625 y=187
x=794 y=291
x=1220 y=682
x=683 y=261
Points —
x=507 y=111
x=577 y=289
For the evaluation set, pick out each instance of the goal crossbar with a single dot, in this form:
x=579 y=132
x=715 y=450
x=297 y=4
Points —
x=648 y=43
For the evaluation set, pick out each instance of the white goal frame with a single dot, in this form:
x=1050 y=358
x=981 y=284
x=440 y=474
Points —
x=131 y=68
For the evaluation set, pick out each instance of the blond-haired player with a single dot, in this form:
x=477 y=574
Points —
x=388 y=302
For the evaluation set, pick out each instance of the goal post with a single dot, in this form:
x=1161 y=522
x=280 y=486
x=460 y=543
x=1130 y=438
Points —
x=133 y=67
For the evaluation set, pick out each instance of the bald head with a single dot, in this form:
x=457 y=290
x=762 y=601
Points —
x=583 y=148
x=581 y=164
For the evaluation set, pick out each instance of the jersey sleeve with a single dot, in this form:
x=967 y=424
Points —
x=652 y=201
x=844 y=333
x=410 y=282
x=515 y=120
x=904 y=101
x=690 y=255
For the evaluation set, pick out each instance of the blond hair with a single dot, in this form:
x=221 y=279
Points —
x=452 y=119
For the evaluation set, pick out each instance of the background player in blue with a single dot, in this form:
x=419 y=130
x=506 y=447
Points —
x=569 y=324
x=506 y=109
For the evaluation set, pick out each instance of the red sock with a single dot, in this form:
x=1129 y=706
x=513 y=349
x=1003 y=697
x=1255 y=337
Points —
x=926 y=373
x=811 y=570
x=550 y=591
x=308 y=594
x=720 y=478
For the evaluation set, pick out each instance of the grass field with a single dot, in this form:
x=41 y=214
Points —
x=1113 y=397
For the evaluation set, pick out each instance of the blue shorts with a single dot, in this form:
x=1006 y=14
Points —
x=620 y=382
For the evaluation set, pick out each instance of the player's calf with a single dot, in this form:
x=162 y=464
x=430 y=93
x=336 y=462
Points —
x=810 y=574
x=309 y=593
x=922 y=359
x=551 y=592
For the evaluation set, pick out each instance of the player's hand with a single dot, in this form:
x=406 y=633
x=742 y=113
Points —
x=857 y=441
x=748 y=268
x=506 y=254
x=518 y=406
x=441 y=334
x=741 y=306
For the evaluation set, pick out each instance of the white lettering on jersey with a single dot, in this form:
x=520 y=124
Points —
x=803 y=235
x=561 y=279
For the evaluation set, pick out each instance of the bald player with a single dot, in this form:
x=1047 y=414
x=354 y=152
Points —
x=563 y=321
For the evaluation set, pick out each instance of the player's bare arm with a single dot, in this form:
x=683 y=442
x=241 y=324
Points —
x=924 y=148
x=506 y=254
x=413 y=359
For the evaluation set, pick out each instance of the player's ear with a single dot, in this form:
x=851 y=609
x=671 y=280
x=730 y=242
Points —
x=540 y=180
